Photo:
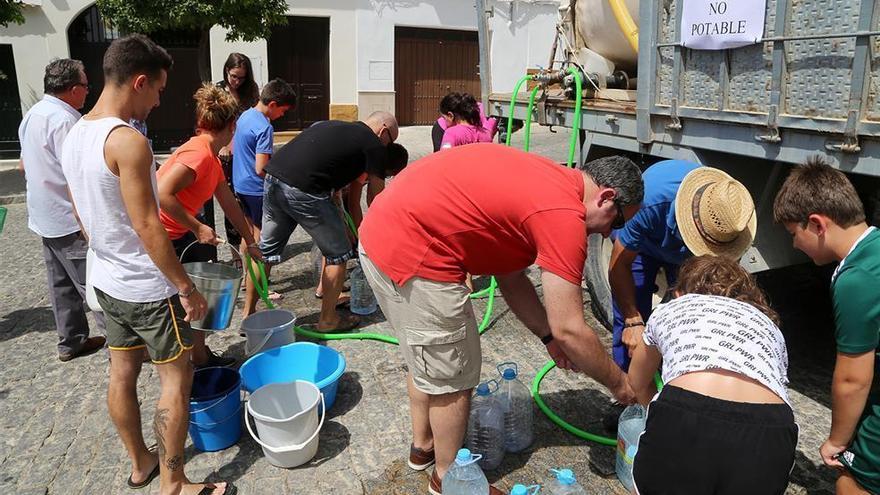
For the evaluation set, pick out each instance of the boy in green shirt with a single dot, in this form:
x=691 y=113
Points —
x=821 y=210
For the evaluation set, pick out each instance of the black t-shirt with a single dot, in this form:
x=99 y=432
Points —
x=328 y=156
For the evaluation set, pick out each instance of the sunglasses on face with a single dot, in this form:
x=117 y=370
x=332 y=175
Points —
x=619 y=220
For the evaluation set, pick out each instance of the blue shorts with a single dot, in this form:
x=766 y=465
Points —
x=252 y=206
x=286 y=207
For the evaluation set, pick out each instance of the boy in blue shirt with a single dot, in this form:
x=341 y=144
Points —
x=252 y=143
x=821 y=210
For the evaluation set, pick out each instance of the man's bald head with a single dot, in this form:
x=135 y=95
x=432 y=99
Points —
x=383 y=122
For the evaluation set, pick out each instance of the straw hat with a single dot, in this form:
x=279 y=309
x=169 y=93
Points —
x=715 y=214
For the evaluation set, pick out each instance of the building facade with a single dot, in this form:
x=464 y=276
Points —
x=346 y=58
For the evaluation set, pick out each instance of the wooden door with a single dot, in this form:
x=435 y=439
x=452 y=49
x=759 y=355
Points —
x=299 y=53
x=10 y=104
x=173 y=122
x=428 y=64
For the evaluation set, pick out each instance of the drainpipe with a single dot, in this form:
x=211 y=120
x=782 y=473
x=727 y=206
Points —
x=484 y=11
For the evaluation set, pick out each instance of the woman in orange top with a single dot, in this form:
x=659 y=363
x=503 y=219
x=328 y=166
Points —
x=189 y=178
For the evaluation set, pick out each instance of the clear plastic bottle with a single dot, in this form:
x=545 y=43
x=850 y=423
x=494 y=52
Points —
x=317 y=259
x=519 y=489
x=464 y=476
x=629 y=428
x=517 y=402
x=485 y=434
x=363 y=302
x=564 y=483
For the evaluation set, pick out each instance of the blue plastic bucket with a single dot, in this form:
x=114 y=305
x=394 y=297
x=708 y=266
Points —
x=215 y=409
x=307 y=361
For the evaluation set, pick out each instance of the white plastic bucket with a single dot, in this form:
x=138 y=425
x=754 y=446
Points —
x=268 y=329
x=91 y=297
x=286 y=415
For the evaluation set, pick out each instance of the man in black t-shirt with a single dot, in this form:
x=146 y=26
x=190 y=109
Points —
x=301 y=180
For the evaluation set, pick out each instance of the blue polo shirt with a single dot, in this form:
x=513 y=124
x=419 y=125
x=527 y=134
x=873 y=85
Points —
x=653 y=230
x=253 y=134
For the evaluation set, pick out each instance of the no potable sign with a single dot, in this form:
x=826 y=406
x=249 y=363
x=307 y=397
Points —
x=717 y=25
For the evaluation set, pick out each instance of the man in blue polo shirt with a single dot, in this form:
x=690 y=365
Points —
x=688 y=210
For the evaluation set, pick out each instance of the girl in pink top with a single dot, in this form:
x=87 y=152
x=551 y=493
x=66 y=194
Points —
x=464 y=121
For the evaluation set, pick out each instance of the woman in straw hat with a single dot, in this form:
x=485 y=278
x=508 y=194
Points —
x=723 y=423
x=688 y=210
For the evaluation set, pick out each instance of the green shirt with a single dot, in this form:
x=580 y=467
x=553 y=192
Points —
x=856 y=298
x=855 y=293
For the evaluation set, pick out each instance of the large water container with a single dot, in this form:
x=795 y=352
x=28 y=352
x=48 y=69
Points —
x=485 y=434
x=629 y=428
x=363 y=302
x=600 y=31
x=517 y=402
x=564 y=483
x=464 y=476
x=519 y=489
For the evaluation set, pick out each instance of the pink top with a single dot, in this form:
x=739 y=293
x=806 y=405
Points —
x=460 y=134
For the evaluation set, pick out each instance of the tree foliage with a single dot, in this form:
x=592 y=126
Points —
x=10 y=11
x=246 y=20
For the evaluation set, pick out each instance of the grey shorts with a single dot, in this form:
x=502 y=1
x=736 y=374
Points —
x=285 y=207
x=435 y=324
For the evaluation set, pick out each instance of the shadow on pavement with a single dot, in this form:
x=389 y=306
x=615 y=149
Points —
x=22 y=321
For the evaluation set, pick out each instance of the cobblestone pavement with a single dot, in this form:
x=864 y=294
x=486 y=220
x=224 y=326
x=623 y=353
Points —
x=56 y=436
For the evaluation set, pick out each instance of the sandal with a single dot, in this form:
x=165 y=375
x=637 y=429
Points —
x=149 y=479
x=230 y=489
x=346 y=323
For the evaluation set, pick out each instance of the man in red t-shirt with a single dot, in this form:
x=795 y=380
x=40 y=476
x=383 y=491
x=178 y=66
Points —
x=487 y=209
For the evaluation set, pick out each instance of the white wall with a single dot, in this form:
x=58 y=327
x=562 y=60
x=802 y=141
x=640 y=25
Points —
x=376 y=20
x=35 y=43
x=519 y=41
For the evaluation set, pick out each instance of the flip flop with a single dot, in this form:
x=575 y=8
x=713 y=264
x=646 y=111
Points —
x=274 y=296
x=230 y=489
x=143 y=484
x=346 y=324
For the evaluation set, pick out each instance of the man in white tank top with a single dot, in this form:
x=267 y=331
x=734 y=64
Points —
x=147 y=297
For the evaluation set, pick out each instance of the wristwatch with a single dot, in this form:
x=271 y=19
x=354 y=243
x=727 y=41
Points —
x=634 y=324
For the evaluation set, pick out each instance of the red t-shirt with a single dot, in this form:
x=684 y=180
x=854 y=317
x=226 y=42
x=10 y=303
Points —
x=198 y=156
x=482 y=209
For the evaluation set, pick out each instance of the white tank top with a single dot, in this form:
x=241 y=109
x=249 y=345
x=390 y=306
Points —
x=122 y=269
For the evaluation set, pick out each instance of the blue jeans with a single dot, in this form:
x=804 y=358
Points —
x=644 y=270
x=285 y=207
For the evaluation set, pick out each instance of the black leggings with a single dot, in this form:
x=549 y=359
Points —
x=694 y=444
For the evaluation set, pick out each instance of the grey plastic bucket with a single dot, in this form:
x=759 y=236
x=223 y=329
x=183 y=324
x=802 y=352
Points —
x=268 y=329
x=219 y=284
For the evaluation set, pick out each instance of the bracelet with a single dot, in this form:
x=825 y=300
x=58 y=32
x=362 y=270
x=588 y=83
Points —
x=187 y=294
x=253 y=245
x=634 y=324
x=547 y=339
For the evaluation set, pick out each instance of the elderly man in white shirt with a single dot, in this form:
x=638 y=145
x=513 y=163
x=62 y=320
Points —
x=50 y=210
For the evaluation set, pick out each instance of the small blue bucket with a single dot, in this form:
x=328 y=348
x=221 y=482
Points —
x=307 y=361
x=215 y=409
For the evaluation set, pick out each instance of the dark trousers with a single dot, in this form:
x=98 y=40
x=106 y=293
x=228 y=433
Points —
x=65 y=259
x=644 y=270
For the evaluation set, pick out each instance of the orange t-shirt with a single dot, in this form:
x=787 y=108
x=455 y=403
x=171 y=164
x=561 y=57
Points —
x=198 y=156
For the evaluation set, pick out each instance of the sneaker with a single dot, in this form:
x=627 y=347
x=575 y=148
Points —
x=90 y=346
x=215 y=361
x=435 y=486
x=420 y=459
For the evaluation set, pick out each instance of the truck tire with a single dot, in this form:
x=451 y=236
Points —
x=596 y=276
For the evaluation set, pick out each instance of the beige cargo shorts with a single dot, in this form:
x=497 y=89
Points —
x=435 y=324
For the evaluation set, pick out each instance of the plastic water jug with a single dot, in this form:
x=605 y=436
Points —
x=564 y=483
x=629 y=428
x=517 y=402
x=363 y=302
x=464 y=476
x=519 y=489
x=485 y=435
x=317 y=260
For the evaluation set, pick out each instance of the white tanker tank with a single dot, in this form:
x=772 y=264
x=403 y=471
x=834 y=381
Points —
x=600 y=43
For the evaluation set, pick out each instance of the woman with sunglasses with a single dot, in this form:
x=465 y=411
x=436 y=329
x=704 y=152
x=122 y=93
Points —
x=723 y=422
x=238 y=81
